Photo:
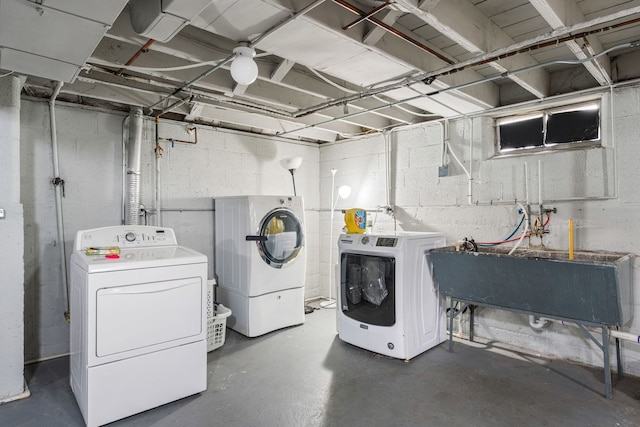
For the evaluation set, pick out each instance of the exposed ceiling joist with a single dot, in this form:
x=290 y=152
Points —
x=333 y=69
x=463 y=23
x=564 y=13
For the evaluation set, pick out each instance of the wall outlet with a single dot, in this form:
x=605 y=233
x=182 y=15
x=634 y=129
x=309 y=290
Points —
x=443 y=171
x=1 y=213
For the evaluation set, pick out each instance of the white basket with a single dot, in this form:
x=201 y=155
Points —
x=216 y=322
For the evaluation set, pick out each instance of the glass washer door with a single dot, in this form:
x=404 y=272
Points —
x=367 y=285
x=280 y=237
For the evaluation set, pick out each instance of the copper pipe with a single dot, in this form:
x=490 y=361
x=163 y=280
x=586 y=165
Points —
x=368 y=15
x=537 y=46
x=135 y=56
x=393 y=31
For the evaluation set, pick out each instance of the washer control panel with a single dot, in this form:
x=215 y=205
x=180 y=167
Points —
x=125 y=236
x=369 y=240
x=290 y=202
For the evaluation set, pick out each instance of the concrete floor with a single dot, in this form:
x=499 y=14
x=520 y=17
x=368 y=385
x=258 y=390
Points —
x=306 y=376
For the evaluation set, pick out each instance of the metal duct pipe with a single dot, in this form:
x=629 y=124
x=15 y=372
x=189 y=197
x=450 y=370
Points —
x=133 y=166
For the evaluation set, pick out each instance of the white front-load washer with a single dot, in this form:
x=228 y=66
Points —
x=387 y=300
x=260 y=261
x=138 y=321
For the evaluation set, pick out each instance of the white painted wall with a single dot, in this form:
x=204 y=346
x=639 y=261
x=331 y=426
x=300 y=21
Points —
x=90 y=141
x=226 y=163
x=11 y=243
x=425 y=202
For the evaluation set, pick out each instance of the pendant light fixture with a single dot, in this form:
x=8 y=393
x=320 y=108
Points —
x=244 y=69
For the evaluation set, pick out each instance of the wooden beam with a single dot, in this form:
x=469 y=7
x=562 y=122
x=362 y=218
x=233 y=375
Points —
x=462 y=22
x=281 y=70
x=564 y=13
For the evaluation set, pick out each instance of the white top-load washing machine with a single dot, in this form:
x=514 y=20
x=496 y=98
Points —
x=387 y=301
x=138 y=321
x=260 y=261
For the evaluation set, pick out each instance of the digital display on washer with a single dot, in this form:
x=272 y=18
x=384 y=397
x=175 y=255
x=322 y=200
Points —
x=388 y=242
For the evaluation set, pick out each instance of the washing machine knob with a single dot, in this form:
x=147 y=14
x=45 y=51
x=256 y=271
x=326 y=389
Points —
x=130 y=237
x=365 y=240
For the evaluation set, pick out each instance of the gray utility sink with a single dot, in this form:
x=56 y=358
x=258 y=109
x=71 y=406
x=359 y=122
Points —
x=595 y=287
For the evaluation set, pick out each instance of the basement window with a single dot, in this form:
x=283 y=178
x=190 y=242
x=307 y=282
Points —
x=567 y=127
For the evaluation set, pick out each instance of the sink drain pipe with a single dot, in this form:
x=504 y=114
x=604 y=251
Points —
x=538 y=322
x=627 y=336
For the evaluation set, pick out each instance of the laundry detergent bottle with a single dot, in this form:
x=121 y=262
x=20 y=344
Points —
x=355 y=220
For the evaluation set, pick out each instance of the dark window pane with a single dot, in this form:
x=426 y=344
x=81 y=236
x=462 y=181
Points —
x=573 y=126
x=521 y=134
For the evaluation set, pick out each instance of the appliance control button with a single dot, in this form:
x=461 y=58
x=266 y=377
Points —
x=364 y=240
x=130 y=237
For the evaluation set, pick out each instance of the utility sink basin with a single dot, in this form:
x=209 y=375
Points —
x=595 y=287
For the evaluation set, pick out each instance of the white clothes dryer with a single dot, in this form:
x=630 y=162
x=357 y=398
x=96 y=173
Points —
x=260 y=261
x=138 y=322
x=387 y=300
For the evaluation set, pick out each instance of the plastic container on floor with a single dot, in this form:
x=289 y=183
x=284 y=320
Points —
x=216 y=321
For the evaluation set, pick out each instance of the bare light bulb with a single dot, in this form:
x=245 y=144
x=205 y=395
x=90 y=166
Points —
x=244 y=69
x=344 y=191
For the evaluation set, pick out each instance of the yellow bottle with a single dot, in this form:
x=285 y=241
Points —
x=355 y=220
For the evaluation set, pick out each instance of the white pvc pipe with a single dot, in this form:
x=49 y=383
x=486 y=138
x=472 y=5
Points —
x=58 y=197
x=625 y=336
x=537 y=322
x=158 y=182
x=540 y=183
x=470 y=180
x=526 y=183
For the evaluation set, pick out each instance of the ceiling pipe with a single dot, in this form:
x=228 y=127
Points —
x=635 y=43
x=233 y=55
x=522 y=47
x=525 y=46
x=143 y=49
x=197 y=79
x=368 y=15
x=175 y=105
x=58 y=184
x=558 y=36
x=530 y=48
x=392 y=30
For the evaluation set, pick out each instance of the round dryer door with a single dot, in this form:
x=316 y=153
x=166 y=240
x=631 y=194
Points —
x=281 y=237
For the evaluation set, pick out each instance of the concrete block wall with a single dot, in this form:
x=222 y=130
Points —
x=11 y=243
x=90 y=156
x=597 y=188
x=225 y=163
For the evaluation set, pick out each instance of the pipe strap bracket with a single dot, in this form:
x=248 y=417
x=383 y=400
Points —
x=57 y=181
